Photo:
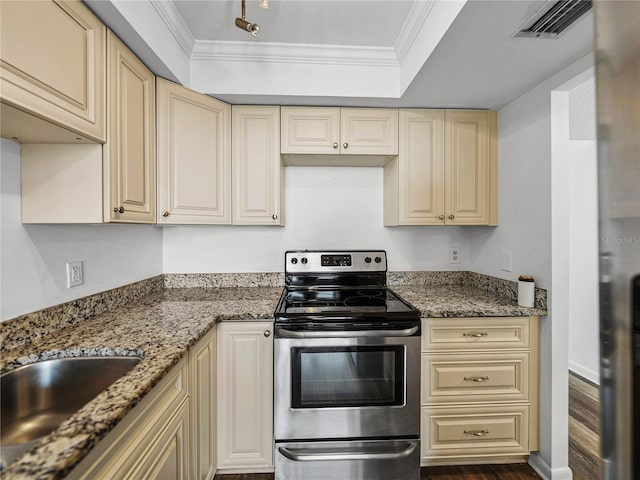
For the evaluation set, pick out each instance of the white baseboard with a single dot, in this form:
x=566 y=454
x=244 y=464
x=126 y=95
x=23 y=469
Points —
x=584 y=372
x=546 y=472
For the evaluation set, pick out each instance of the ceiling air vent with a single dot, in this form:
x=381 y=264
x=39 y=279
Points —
x=554 y=18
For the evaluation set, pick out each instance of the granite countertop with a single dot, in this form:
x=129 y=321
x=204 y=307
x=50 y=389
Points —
x=161 y=327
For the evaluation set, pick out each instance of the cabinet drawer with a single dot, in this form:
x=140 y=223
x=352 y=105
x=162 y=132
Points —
x=474 y=432
x=475 y=333
x=464 y=378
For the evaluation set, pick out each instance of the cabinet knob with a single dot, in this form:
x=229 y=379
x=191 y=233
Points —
x=165 y=213
x=274 y=216
x=335 y=145
x=345 y=145
x=440 y=217
x=451 y=217
x=118 y=210
x=267 y=333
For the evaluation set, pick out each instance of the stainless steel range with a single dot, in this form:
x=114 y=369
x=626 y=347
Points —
x=346 y=371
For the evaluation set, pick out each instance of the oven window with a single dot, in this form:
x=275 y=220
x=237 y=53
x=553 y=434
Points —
x=347 y=376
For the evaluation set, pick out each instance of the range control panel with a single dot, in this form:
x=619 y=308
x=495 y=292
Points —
x=343 y=261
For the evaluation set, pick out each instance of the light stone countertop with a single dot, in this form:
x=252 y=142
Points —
x=161 y=327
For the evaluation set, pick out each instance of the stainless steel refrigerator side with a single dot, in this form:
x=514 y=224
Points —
x=618 y=108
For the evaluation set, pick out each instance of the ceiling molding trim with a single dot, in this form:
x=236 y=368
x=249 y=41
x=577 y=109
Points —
x=416 y=19
x=294 y=53
x=175 y=23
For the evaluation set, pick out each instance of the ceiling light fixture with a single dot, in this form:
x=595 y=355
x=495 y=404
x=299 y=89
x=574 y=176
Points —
x=264 y=4
x=252 y=28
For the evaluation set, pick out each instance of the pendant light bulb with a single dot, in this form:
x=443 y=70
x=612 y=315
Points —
x=264 y=4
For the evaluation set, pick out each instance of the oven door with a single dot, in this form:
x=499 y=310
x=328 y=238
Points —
x=341 y=384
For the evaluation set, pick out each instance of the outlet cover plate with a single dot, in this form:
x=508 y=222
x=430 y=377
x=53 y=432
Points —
x=75 y=275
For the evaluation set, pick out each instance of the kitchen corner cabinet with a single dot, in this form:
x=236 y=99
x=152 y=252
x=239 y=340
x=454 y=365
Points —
x=245 y=397
x=202 y=388
x=58 y=96
x=479 y=390
x=257 y=171
x=115 y=182
x=339 y=131
x=194 y=157
x=151 y=441
x=130 y=153
x=446 y=171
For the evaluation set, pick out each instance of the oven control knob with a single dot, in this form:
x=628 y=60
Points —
x=294 y=260
x=367 y=259
x=304 y=260
x=378 y=259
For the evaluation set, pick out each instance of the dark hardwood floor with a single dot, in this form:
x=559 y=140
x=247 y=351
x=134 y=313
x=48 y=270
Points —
x=584 y=446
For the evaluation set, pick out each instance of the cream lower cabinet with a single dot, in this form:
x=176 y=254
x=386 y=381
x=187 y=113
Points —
x=479 y=390
x=194 y=157
x=245 y=397
x=446 y=169
x=333 y=131
x=257 y=170
x=152 y=441
x=202 y=388
x=52 y=72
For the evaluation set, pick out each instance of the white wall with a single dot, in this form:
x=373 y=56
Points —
x=325 y=208
x=584 y=327
x=33 y=257
x=525 y=228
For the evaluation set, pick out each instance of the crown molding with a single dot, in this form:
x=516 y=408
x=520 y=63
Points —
x=294 y=53
x=413 y=24
x=175 y=23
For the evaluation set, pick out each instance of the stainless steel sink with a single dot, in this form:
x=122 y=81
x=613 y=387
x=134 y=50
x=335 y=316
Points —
x=37 y=398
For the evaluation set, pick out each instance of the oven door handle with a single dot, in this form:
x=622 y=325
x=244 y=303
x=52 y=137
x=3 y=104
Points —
x=406 y=332
x=308 y=455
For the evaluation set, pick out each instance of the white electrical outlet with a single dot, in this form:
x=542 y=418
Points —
x=505 y=260
x=454 y=254
x=74 y=274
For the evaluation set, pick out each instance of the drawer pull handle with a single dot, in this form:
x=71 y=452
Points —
x=475 y=334
x=476 y=379
x=476 y=433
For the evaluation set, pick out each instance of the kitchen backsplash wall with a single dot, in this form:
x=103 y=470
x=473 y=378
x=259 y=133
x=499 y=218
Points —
x=325 y=208
x=33 y=257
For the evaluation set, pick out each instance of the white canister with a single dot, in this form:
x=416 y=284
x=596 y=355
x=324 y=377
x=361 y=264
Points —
x=526 y=291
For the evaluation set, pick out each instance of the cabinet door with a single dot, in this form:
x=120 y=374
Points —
x=53 y=64
x=310 y=130
x=468 y=167
x=256 y=165
x=168 y=458
x=369 y=131
x=202 y=388
x=130 y=152
x=245 y=401
x=194 y=157
x=414 y=182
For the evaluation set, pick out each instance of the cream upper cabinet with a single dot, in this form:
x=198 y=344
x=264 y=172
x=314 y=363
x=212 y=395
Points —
x=414 y=182
x=333 y=131
x=369 y=131
x=130 y=151
x=446 y=170
x=257 y=171
x=202 y=391
x=245 y=396
x=194 y=157
x=53 y=68
x=471 y=167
